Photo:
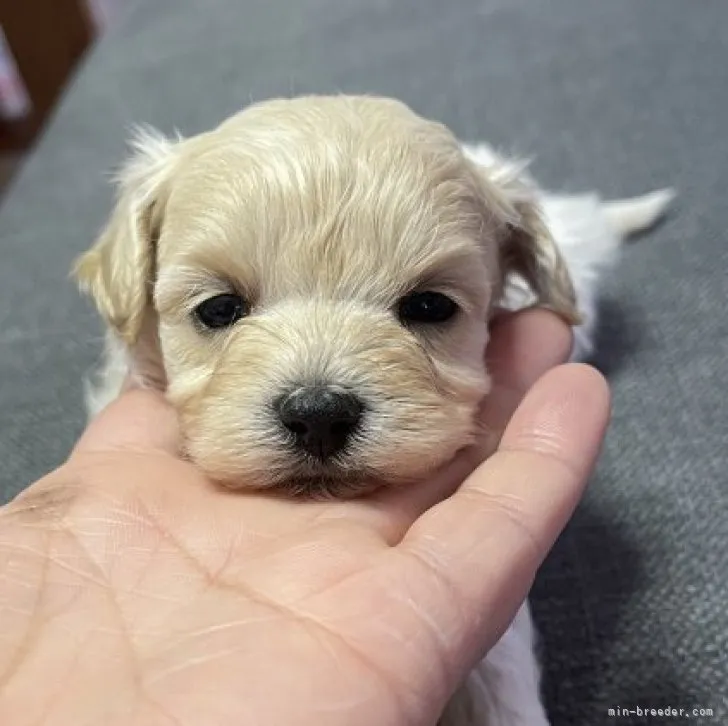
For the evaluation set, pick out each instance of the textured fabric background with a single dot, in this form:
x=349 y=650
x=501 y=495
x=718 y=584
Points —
x=623 y=96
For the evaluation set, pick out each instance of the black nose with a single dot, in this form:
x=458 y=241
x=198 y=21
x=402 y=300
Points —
x=320 y=419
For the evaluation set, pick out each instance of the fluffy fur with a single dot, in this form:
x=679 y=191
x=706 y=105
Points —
x=323 y=212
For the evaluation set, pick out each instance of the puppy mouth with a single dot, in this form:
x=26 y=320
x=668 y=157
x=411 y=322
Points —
x=328 y=488
x=328 y=481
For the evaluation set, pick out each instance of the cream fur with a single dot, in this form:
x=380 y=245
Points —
x=323 y=212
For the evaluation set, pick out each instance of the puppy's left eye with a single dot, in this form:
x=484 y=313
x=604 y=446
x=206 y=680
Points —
x=221 y=311
x=426 y=307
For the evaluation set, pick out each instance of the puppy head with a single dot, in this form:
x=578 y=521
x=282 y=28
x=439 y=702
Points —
x=315 y=276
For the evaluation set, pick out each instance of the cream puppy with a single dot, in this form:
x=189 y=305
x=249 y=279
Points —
x=310 y=283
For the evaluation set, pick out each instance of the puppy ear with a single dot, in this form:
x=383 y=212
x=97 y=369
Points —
x=529 y=251
x=526 y=247
x=118 y=271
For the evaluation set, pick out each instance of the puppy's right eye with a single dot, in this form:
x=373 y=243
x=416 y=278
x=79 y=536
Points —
x=221 y=311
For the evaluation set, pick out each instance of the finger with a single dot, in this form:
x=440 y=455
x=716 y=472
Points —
x=523 y=347
x=478 y=551
x=137 y=420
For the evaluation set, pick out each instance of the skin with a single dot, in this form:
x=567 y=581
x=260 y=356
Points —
x=133 y=591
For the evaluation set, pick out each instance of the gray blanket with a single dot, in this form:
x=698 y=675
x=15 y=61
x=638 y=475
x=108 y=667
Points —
x=622 y=96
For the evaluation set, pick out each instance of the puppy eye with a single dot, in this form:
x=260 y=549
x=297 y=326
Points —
x=426 y=307
x=221 y=311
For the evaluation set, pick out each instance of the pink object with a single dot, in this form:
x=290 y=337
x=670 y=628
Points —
x=14 y=99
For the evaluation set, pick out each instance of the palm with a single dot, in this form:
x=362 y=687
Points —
x=198 y=586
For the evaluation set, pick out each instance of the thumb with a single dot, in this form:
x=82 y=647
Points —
x=137 y=420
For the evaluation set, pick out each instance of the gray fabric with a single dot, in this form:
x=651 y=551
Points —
x=621 y=96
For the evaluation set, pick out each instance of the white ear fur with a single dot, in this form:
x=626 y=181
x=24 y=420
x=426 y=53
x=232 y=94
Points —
x=118 y=270
x=527 y=248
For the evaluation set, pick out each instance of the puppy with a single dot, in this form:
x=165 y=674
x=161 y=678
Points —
x=310 y=283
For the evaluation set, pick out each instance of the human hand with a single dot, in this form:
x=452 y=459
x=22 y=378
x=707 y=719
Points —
x=134 y=591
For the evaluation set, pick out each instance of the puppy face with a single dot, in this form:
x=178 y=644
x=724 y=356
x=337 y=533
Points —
x=313 y=280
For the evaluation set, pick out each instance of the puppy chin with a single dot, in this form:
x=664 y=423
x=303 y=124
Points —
x=312 y=481
x=329 y=485
x=329 y=482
